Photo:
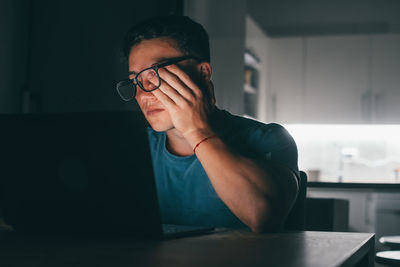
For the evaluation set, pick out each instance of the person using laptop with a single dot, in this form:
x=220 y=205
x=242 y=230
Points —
x=212 y=168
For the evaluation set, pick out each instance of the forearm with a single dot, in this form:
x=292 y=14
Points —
x=246 y=188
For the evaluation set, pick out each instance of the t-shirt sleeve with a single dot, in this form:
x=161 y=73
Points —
x=272 y=143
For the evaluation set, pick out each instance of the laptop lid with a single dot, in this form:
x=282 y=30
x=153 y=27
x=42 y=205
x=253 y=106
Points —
x=78 y=173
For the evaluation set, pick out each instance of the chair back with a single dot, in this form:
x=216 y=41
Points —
x=295 y=221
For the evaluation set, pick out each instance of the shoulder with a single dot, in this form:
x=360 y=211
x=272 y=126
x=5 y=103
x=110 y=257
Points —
x=248 y=137
x=249 y=129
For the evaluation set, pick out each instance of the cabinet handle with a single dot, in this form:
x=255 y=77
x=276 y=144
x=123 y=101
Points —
x=366 y=106
x=376 y=104
x=367 y=214
x=273 y=104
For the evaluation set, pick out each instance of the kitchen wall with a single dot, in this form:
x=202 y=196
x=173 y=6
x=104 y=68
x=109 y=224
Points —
x=14 y=38
x=311 y=84
x=224 y=21
x=63 y=56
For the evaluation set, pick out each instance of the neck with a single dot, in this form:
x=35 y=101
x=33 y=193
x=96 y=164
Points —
x=177 y=144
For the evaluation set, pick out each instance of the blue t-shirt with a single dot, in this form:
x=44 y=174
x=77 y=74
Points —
x=185 y=193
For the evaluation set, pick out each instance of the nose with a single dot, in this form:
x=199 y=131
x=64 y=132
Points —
x=140 y=94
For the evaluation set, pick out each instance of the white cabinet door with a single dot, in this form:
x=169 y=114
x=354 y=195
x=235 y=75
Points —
x=385 y=78
x=286 y=79
x=336 y=79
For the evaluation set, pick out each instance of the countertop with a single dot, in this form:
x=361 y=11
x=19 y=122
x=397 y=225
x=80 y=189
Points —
x=390 y=186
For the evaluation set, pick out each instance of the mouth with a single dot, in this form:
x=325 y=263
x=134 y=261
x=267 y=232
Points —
x=154 y=111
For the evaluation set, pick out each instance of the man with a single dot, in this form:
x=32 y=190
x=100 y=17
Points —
x=211 y=168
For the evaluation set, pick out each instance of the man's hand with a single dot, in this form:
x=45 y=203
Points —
x=186 y=103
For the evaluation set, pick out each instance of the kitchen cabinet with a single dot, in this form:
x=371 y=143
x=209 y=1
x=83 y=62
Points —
x=348 y=79
x=336 y=79
x=386 y=214
x=385 y=78
x=286 y=80
x=327 y=214
x=360 y=212
x=372 y=208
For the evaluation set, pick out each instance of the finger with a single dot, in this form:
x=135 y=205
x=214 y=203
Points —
x=173 y=94
x=185 y=78
x=162 y=97
x=168 y=91
x=175 y=82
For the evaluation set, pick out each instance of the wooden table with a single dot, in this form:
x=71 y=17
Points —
x=224 y=248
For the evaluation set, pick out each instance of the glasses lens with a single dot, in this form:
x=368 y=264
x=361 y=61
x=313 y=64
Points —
x=126 y=90
x=148 y=80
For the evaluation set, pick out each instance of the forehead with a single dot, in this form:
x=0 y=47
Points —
x=149 y=52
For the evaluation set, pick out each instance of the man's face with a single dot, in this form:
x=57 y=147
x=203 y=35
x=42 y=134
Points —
x=143 y=55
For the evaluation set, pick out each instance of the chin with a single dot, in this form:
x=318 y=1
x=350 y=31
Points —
x=160 y=125
x=160 y=128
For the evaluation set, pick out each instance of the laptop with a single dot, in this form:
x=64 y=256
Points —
x=81 y=174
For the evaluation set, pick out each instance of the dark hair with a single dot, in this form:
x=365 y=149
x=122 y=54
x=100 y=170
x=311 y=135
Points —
x=191 y=38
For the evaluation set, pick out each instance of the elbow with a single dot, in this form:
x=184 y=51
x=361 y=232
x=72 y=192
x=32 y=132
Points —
x=264 y=220
x=258 y=228
x=259 y=225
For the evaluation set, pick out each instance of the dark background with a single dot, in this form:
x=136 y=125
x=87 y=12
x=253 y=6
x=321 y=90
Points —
x=61 y=56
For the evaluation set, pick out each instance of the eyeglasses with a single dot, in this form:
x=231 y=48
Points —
x=127 y=88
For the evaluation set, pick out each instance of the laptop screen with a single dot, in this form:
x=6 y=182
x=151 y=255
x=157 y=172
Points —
x=83 y=173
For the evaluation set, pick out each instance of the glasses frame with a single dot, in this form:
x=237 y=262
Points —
x=156 y=67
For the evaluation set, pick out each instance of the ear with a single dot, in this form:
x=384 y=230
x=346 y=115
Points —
x=205 y=70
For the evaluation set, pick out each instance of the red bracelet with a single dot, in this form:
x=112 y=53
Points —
x=205 y=139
